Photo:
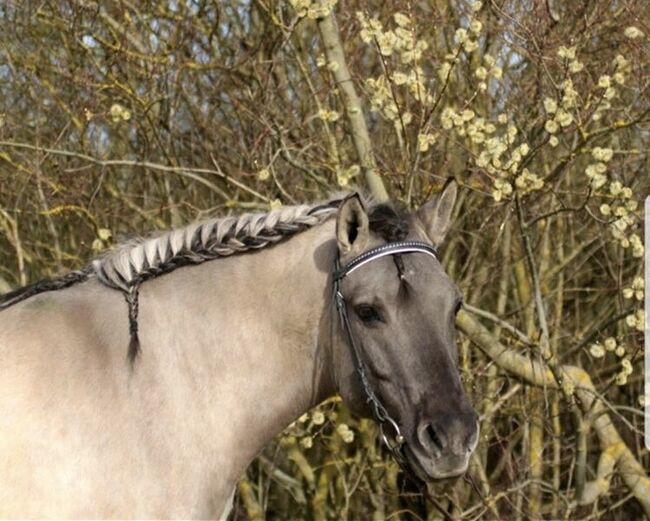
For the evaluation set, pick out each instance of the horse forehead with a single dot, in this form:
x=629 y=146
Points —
x=422 y=272
x=422 y=269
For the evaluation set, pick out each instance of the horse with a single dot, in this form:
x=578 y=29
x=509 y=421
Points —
x=143 y=385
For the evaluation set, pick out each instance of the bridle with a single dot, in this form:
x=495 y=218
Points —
x=382 y=416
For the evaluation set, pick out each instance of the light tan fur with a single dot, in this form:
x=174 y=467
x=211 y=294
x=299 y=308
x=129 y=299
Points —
x=170 y=437
x=232 y=351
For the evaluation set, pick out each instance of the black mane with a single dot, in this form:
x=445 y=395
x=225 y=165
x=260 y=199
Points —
x=19 y=294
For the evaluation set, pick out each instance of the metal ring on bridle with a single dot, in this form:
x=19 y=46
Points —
x=398 y=438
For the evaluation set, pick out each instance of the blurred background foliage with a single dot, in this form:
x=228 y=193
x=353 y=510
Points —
x=121 y=117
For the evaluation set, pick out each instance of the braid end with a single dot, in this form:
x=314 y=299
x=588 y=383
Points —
x=132 y=297
x=134 y=348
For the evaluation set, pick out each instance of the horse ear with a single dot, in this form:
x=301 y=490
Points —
x=352 y=230
x=435 y=214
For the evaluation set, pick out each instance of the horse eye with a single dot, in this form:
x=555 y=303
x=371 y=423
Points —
x=459 y=306
x=368 y=314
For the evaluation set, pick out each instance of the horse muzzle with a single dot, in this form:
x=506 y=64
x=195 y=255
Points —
x=442 y=449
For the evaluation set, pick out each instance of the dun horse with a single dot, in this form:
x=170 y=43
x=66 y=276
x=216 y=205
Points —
x=302 y=303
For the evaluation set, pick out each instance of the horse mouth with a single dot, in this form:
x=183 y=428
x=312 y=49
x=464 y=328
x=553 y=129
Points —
x=428 y=468
x=438 y=452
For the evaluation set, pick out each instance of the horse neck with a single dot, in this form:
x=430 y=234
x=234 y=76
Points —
x=245 y=337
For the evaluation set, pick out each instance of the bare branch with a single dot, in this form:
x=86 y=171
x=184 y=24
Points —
x=334 y=52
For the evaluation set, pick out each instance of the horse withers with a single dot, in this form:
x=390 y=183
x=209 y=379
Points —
x=302 y=303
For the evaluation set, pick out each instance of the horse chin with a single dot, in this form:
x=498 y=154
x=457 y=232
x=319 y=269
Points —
x=425 y=468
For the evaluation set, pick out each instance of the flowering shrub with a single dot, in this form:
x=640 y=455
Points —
x=120 y=118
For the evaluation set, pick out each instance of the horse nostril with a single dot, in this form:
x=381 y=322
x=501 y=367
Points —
x=433 y=436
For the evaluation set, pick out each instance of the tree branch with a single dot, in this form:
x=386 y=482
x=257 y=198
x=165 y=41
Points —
x=574 y=381
x=334 y=51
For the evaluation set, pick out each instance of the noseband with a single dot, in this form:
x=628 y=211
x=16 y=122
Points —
x=381 y=414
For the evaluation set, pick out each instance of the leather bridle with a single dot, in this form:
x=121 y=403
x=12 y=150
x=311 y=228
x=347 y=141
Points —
x=381 y=414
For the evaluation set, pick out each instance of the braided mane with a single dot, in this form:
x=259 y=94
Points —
x=129 y=265
x=136 y=262
x=126 y=267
